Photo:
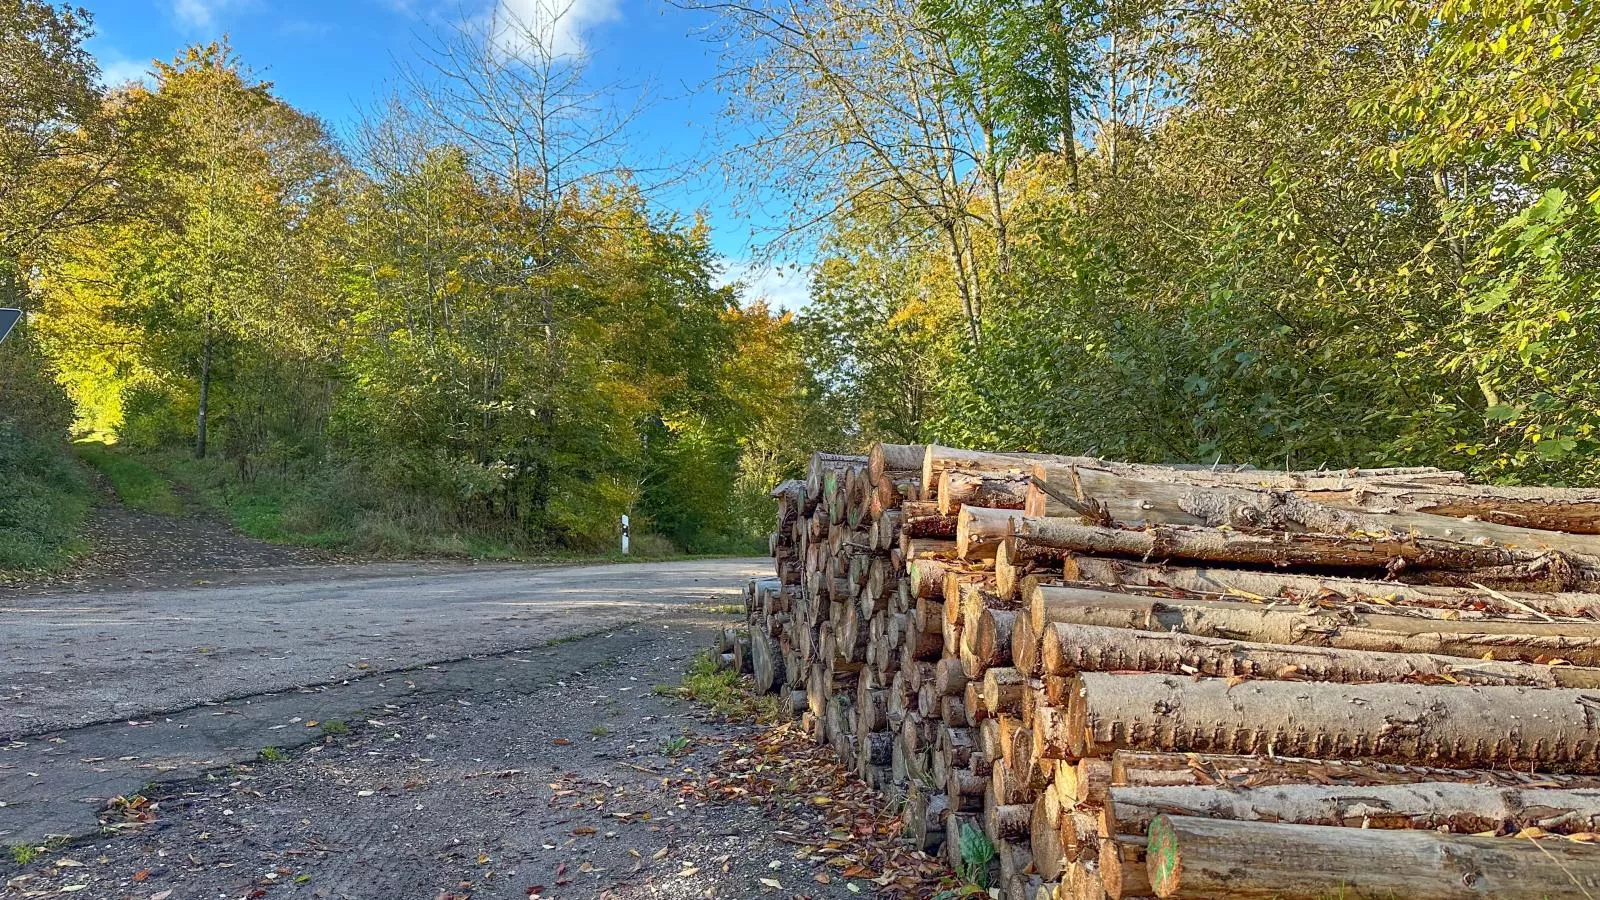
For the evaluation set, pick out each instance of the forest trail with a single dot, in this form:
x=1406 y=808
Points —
x=135 y=546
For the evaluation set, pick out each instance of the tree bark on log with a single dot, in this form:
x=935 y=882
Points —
x=1190 y=498
x=1169 y=769
x=979 y=531
x=1200 y=859
x=1253 y=585
x=882 y=458
x=1439 y=806
x=1070 y=648
x=1339 y=628
x=768 y=664
x=941 y=526
x=1573 y=510
x=1044 y=836
x=958 y=488
x=1528 y=728
x=1442 y=561
x=937 y=459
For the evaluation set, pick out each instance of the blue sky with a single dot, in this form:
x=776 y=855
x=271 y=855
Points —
x=335 y=58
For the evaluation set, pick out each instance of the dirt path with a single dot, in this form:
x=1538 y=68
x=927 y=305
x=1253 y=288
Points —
x=131 y=548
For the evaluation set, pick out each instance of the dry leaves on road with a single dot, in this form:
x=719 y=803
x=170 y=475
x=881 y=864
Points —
x=835 y=820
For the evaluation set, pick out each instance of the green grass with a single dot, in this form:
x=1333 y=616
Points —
x=723 y=691
x=139 y=486
x=335 y=728
x=44 y=496
x=22 y=854
x=272 y=754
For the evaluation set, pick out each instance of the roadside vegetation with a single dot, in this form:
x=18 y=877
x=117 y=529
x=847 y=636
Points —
x=1317 y=232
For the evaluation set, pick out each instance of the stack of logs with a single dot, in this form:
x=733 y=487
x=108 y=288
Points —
x=1199 y=681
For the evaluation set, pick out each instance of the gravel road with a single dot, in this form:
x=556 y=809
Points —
x=74 y=658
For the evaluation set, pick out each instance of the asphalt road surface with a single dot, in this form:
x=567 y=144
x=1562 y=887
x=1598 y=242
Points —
x=74 y=658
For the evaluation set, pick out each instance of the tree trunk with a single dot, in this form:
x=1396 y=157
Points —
x=1556 y=729
x=937 y=459
x=1341 y=628
x=1198 y=859
x=1070 y=648
x=942 y=527
x=1437 y=806
x=201 y=425
x=992 y=637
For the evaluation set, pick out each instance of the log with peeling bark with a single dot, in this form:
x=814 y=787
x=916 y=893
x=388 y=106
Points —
x=979 y=531
x=1191 y=498
x=1170 y=769
x=884 y=458
x=1424 y=558
x=1070 y=648
x=1439 y=806
x=1390 y=632
x=1199 y=858
x=1554 y=729
x=1254 y=585
x=960 y=487
x=1576 y=511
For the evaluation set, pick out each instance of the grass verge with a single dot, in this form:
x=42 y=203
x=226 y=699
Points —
x=139 y=486
x=724 y=691
x=43 y=499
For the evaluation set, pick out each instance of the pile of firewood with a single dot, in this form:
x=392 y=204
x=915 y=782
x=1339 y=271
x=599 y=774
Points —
x=1203 y=681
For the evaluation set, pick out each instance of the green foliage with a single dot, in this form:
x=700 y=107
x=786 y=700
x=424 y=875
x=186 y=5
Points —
x=272 y=754
x=426 y=355
x=136 y=484
x=724 y=692
x=976 y=854
x=1355 y=234
x=43 y=493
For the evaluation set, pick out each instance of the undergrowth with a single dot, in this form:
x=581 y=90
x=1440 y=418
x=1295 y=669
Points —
x=724 y=691
x=43 y=499
x=139 y=486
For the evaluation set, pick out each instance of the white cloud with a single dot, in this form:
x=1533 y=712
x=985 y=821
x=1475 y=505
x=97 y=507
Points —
x=201 y=14
x=546 y=27
x=783 y=287
x=116 y=69
x=195 y=13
